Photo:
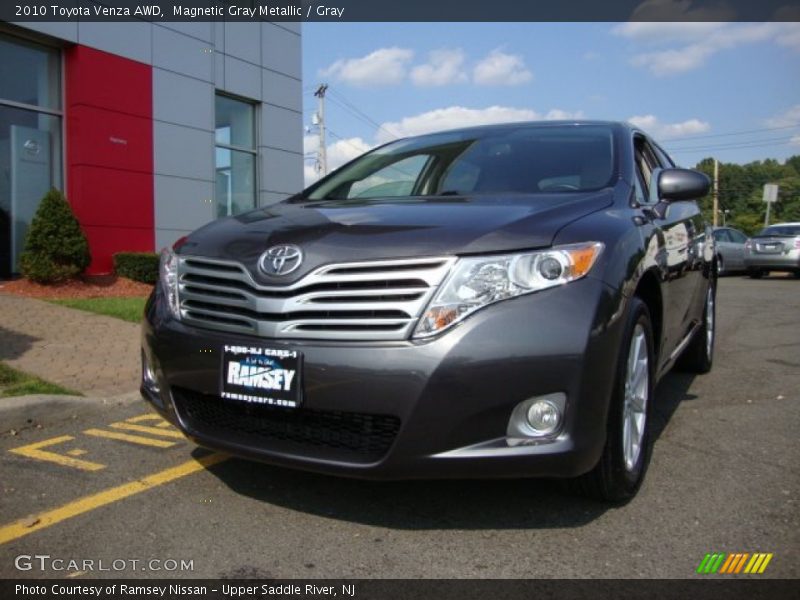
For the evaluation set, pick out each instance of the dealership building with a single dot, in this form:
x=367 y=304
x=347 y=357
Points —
x=150 y=129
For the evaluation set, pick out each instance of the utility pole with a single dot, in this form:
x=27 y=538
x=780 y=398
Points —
x=715 y=193
x=322 y=153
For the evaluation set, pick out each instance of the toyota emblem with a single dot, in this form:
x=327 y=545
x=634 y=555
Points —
x=280 y=260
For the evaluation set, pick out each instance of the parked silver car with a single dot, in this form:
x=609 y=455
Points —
x=776 y=248
x=729 y=248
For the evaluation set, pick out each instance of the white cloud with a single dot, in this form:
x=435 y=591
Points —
x=499 y=68
x=701 y=41
x=556 y=114
x=795 y=140
x=453 y=117
x=785 y=119
x=444 y=67
x=385 y=66
x=339 y=153
x=671 y=62
x=664 y=131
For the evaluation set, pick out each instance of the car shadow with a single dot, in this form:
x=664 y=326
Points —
x=14 y=344
x=670 y=393
x=439 y=504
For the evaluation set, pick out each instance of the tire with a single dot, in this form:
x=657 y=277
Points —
x=619 y=473
x=720 y=266
x=755 y=273
x=698 y=357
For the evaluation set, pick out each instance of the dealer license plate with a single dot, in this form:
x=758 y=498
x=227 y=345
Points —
x=262 y=375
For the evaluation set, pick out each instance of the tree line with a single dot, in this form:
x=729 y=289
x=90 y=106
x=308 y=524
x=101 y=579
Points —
x=741 y=189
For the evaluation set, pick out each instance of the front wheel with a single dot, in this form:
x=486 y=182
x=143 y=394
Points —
x=620 y=471
x=720 y=266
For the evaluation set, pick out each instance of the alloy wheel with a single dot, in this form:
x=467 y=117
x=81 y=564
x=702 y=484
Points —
x=710 y=322
x=637 y=386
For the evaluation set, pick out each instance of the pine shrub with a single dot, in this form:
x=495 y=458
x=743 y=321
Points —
x=56 y=248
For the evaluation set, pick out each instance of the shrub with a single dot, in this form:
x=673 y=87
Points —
x=139 y=266
x=56 y=248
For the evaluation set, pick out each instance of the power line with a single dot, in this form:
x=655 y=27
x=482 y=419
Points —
x=344 y=103
x=346 y=141
x=742 y=132
x=742 y=144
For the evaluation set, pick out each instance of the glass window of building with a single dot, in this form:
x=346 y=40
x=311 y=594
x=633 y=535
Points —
x=30 y=139
x=236 y=154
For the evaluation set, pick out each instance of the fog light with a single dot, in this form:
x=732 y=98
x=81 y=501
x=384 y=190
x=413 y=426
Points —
x=544 y=417
x=538 y=419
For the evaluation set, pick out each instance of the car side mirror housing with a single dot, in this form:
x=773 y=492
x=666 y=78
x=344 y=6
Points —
x=675 y=185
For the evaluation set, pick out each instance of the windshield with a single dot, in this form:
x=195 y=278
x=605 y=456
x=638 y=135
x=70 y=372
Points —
x=523 y=160
x=785 y=230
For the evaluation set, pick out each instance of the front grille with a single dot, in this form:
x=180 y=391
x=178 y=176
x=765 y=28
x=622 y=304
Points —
x=376 y=300
x=356 y=437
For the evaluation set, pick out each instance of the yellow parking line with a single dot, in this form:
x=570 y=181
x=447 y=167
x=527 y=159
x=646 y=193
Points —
x=126 y=437
x=151 y=416
x=147 y=429
x=38 y=522
x=35 y=451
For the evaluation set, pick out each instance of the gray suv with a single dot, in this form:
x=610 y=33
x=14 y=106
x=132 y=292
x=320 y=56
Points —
x=489 y=302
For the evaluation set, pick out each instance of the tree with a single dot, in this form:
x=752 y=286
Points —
x=741 y=191
x=56 y=248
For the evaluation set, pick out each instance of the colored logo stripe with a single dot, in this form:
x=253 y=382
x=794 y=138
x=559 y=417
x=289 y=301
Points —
x=734 y=563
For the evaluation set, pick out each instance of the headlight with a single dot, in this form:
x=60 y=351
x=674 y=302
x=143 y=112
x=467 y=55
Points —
x=476 y=282
x=168 y=279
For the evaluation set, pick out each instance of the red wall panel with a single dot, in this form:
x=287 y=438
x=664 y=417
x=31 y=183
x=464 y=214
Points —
x=105 y=241
x=109 y=152
x=103 y=197
x=105 y=138
x=96 y=78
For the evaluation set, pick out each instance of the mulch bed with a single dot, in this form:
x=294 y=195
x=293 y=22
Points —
x=90 y=287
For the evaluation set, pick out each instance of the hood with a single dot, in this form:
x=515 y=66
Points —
x=333 y=232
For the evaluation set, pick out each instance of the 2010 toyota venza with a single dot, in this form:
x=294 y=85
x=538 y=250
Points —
x=496 y=301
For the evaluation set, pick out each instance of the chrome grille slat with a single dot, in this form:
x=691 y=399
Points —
x=367 y=300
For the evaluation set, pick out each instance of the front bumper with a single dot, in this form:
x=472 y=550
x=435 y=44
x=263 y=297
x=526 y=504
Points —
x=437 y=408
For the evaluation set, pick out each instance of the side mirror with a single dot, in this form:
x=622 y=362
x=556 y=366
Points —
x=674 y=185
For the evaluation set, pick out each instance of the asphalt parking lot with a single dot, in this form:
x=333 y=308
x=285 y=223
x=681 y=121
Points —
x=111 y=482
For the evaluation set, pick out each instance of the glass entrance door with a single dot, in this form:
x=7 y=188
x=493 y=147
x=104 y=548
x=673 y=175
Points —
x=30 y=139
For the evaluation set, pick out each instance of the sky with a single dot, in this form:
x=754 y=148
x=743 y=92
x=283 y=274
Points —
x=725 y=90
